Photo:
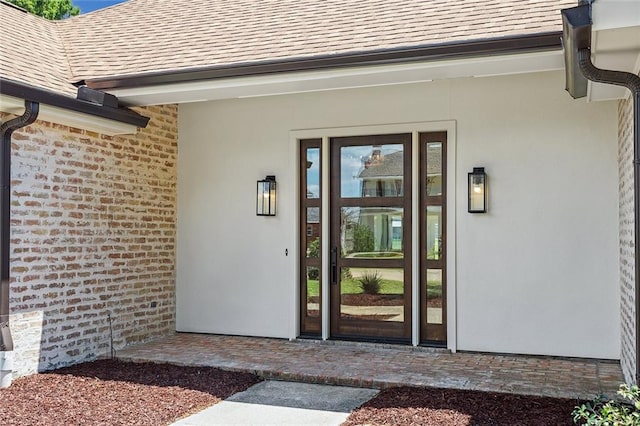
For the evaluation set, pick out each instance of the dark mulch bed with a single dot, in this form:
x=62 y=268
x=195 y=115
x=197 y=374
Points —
x=362 y=299
x=110 y=392
x=430 y=407
x=374 y=317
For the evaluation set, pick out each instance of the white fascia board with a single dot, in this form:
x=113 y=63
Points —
x=335 y=79
x=609 y=14
x=12 y=105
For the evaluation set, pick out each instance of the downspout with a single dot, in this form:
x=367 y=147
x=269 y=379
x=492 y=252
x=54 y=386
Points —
x=6 y=342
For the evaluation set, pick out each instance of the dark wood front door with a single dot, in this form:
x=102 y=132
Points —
x=371 y=240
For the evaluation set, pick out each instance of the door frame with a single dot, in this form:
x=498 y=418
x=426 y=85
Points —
x=293 y=205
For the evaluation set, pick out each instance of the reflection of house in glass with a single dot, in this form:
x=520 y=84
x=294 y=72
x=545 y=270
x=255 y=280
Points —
x=313 y=222
x=379 y=229
x=382 y=174
x=376 y=229
x=371 y=230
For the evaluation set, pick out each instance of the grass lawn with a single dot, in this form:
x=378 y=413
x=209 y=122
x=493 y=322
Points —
x=352 y=286
x=379 y=255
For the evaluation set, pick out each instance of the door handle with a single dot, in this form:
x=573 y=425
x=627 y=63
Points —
x=334 y=265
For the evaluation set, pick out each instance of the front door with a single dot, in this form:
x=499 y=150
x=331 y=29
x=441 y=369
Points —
x=370 y=237
x=369 y=252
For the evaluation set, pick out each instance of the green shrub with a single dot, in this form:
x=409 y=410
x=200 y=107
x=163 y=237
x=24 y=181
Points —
x=612 y=413
x=363 y=240
x=370 y=282
x=313 y=251
x=313 y=273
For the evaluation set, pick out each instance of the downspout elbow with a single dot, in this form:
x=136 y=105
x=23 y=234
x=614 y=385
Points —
x=598 y=75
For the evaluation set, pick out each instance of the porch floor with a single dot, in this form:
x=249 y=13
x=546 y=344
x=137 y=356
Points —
x=378 y=366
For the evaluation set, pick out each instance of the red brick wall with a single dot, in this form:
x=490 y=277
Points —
x=627 y=262
x=93 y=235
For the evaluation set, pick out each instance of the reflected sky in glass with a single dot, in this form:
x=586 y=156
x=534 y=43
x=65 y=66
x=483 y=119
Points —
x=313 y=173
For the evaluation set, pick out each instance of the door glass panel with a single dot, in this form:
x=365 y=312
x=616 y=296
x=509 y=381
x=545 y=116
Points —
x=434 y=296
x=313 y=291
x=310 y=230
x=370 y=209
x=313 y=232
x=372 y=294
x=371 y=232
x=434 y=232
x=434 y=168
x=313 y=173
x=371 y=171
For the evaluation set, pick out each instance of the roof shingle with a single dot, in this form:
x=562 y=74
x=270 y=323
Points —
x=31 y=51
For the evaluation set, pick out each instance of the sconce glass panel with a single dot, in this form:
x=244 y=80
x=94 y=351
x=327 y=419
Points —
x=478 y=191
x=266 y=197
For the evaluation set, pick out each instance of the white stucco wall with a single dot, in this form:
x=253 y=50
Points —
x=536 y=275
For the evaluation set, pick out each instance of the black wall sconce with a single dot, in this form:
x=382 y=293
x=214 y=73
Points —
x=478 y=190
x=266 y=197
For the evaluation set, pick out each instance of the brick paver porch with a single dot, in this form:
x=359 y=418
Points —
x=379 y=366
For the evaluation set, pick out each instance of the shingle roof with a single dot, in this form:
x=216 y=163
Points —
x=31 y=51
x=392 y=165
x=157 y=35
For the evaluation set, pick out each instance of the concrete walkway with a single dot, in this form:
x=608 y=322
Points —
x=283 y=403
x=379 y=366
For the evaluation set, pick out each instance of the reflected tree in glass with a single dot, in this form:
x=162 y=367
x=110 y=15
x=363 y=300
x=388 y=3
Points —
x=372 y=232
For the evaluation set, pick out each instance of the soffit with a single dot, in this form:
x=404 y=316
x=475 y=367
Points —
x=615 y=43
x=342 y=78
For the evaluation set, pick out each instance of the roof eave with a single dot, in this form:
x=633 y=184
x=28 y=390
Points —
x=452 y=50
x=28 y=92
